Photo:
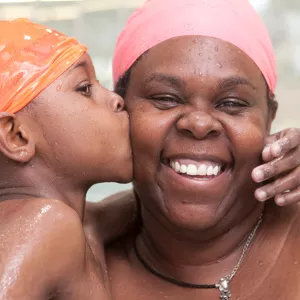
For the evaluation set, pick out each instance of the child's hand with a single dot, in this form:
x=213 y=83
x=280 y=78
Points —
x=282 y=168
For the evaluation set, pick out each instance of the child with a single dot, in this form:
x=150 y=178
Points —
x=60 y=133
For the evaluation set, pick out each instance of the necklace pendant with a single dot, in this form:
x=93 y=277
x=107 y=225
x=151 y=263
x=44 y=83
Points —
x=223 y=286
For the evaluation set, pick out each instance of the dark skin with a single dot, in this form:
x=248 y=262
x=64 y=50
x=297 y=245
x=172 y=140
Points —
x=281 y=171
x=45 y=174
x=48 y=203
x=209 y=108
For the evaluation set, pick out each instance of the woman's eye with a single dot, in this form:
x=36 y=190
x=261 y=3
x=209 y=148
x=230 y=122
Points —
x=165 y=101
x=85 y=90
x=232 y=105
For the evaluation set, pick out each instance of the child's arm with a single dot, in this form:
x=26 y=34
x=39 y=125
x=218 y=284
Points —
x=112 y=217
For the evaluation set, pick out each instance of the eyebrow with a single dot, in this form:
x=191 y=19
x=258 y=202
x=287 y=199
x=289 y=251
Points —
x=167 y=79
x=226 y=83
x=231 y=82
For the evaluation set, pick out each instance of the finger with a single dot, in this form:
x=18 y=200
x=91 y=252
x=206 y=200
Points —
x=277 y=166
x=276 y=136
x=267 y=154
x=280 y=186
x=283 y=145
x=288 y=198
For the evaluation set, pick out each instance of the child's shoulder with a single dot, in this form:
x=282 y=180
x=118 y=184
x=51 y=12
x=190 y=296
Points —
x=42 y=240
x=37 y=217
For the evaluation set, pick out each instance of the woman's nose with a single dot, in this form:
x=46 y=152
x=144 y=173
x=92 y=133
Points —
x=199 y=124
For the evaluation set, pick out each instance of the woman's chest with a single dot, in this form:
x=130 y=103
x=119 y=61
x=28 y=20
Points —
x=259 y=279
x=145 y=287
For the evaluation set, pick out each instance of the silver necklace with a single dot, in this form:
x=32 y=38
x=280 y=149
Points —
x=223 y=283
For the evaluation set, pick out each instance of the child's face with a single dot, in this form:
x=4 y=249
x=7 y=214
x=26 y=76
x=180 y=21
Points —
x=81 y=129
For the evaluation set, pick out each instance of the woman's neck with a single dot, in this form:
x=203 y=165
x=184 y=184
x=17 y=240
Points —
x=188 y=258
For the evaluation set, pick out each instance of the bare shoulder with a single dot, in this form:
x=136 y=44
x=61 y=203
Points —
x=120 y=197
x=110 y=218
x=28 y=215
x=42 y=242
x=293 y=217
x=128 y=194
x=284 y=230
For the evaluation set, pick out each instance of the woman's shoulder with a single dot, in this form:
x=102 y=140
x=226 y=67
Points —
x=292 y=217
x=283 y=231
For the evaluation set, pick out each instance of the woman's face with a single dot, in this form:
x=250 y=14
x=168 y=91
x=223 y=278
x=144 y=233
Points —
x=199 y=117
x=81 y=128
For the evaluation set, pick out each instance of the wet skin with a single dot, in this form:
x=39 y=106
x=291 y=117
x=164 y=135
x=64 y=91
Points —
x=196 y=100
x=76 y=124
x=74 y=134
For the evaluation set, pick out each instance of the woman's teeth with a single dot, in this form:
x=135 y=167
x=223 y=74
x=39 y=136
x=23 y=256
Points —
x=198 y=169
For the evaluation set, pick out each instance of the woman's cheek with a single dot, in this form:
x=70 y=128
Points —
x=250 y=137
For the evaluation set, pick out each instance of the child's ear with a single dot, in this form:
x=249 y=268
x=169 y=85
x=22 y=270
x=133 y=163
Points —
x=16 y=142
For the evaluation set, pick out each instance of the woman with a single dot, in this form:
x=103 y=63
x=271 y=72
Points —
x=198 y=79
x=54 y=144
x=47 y=78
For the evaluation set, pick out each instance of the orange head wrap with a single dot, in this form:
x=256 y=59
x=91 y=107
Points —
x=32 y=56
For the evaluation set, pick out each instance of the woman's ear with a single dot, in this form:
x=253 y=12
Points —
x=16 y=142
x=272 y=110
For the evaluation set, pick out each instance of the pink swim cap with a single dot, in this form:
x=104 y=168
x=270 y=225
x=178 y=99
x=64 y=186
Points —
x=234 y=21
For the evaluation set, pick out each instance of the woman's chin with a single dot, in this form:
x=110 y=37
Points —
x=194 y=217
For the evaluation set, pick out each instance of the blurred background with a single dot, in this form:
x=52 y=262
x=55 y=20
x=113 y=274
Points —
x=97 y=24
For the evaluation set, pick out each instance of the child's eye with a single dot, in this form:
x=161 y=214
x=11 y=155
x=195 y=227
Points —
x=85 y=90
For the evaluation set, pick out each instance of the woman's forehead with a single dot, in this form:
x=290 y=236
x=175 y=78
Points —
x=199 y=56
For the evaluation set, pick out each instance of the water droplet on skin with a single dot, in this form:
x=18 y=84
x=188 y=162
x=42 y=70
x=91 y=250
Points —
x=219 y=65
x=59 y=88
x=216 y=48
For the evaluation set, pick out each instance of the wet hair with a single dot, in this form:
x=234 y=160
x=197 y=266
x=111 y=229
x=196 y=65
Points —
x=123 y=83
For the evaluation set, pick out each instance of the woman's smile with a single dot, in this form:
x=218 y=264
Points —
x=196 y=139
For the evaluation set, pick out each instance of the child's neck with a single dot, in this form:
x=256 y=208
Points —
x=29 y=183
